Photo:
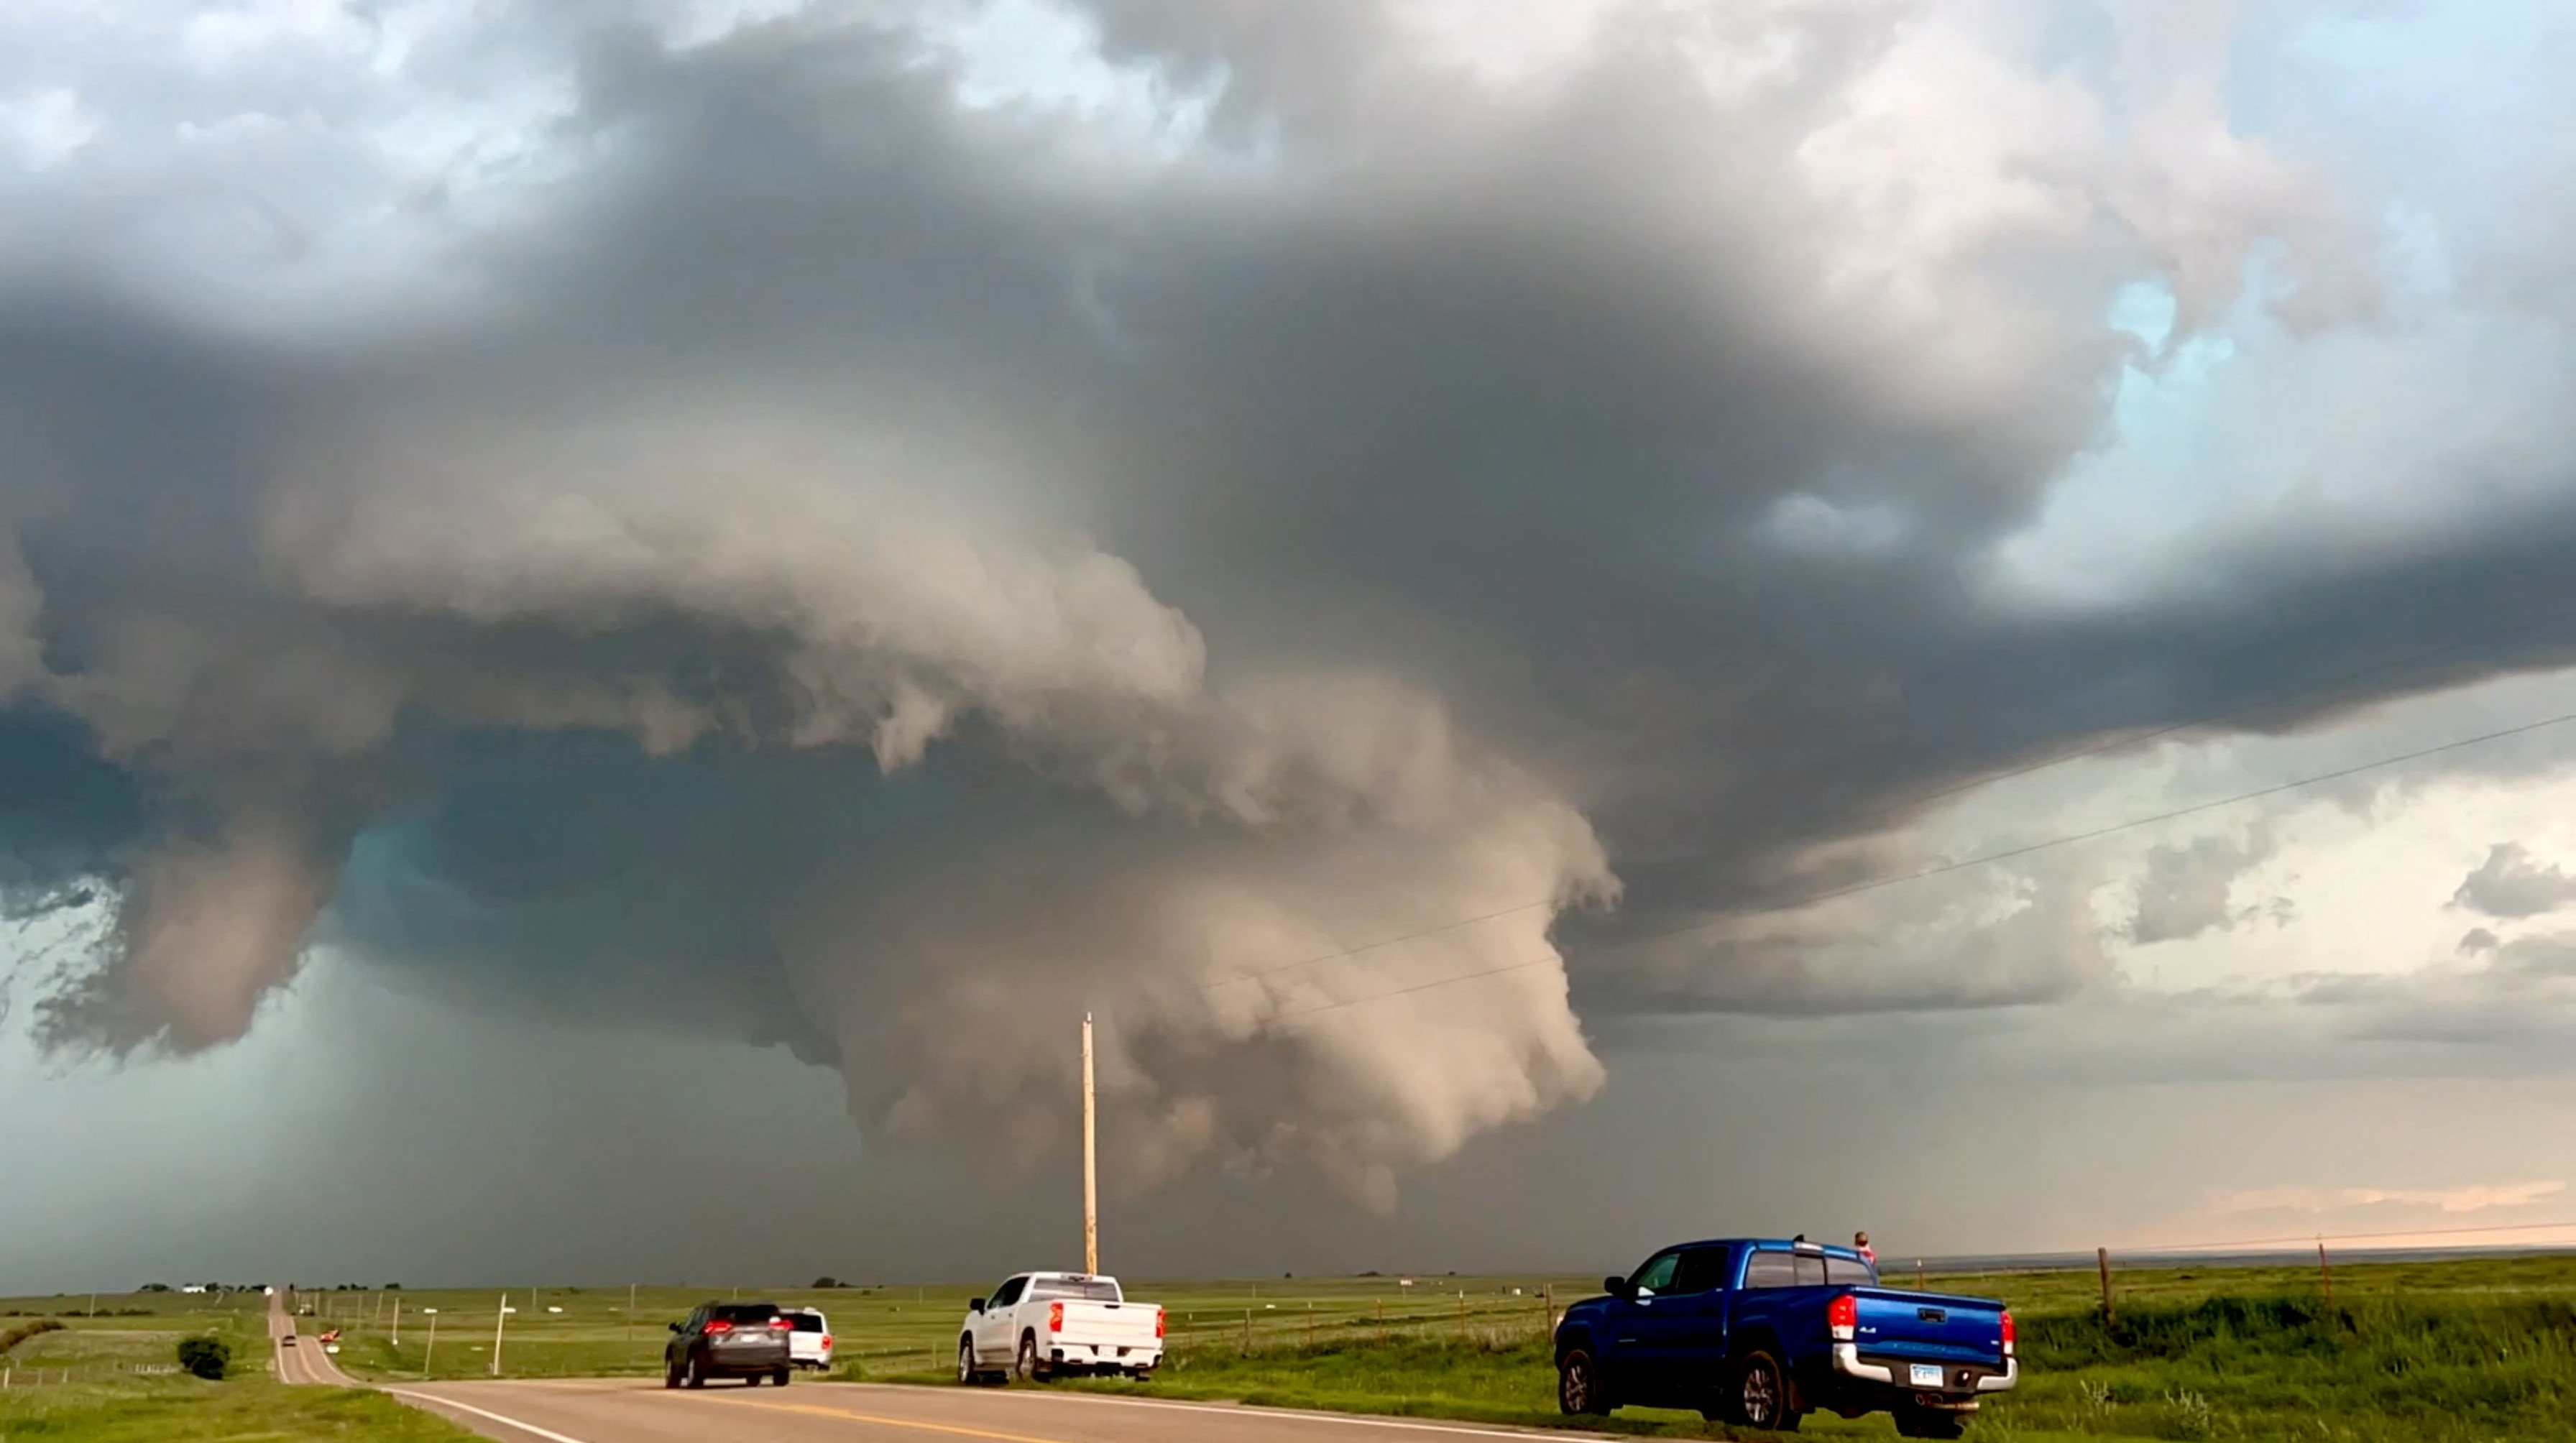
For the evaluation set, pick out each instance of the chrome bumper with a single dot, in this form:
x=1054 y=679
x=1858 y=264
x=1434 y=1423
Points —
x=1847 y=1362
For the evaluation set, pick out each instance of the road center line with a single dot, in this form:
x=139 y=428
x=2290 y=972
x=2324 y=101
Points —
x=506 y=1420
x=954 y=1430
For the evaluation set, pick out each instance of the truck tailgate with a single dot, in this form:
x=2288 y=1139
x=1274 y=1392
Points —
x=1119 y=1325
x=1899 y=1324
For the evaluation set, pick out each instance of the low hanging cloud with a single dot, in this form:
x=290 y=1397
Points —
x=810 y=551
x=2510 y=883
x=2189 y=889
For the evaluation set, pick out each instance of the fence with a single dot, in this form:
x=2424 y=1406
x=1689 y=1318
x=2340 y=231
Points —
x=13 y=1376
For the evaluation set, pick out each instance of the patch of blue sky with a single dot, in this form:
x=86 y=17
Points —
x=1035 y=53
x=2456 y=106
x=2158 y=474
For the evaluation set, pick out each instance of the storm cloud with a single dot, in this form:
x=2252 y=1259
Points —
x=1315 y=539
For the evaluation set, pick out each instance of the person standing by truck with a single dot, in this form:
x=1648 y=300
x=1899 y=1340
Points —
x=1860 y=1245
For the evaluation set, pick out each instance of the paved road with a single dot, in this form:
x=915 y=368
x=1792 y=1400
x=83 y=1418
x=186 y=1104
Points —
x=628 y=1410
x=640 y=1410
x=303 y=1361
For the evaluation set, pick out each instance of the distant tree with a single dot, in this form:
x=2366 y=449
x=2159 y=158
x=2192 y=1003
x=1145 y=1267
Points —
x=153 y=1288
x=207 y=1356
x=827 y=1281
x=393 y=1287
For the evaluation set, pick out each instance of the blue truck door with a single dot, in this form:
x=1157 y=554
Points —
x=1689 y=1326
x=1636 y=1362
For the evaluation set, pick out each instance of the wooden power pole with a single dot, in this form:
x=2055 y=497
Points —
x=1090 y=1163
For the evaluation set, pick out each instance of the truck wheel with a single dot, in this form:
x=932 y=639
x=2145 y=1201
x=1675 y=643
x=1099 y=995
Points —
x=1578 y=1386
x=670 y=1373
x=778 y=1379
x=1762 y=1394
x=1033 y=1369
x=1929 y=1423
x=966 y=1375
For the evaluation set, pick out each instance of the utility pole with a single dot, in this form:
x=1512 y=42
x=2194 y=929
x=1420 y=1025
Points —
x=432 y=1350
x=397 y=1297
x=1090 y=1163
x=499 y=1320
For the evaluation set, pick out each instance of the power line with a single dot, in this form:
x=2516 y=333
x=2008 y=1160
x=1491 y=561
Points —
x=1944 y=868
x=2344 y=684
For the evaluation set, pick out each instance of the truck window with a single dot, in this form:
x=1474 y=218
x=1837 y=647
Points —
x=1811 y=1270
x=1702 y=1270
x=1008 y=1293
x=1091 y=1290
x=1849 y=1273
x=1767 y=1269
x=1657 y=1275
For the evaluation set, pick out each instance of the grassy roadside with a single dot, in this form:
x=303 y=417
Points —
x=2457 y=1351
x=2452 y=1352
x=96 y=1380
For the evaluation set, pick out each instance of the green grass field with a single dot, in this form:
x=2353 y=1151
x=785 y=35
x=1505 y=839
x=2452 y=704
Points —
x=112 y=1379
x=2456 y=1351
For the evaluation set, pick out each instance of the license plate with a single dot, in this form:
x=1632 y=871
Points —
x=1926 y=1375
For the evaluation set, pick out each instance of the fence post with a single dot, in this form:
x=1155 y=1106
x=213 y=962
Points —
x=1547 y=1310
x=1247 y=1332
x=1462 y=1315
x=1381 y=1322
x=2325 y=1279
x=1918 y=1275
x=2102 y=1259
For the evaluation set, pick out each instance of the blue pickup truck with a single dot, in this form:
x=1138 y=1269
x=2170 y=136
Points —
x=1760 y=1332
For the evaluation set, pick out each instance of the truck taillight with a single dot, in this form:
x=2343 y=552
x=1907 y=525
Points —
x=1055 y=1317
x=781 y=1324
x=719 y=1326
x=1842 y=1315
x=1158 y=1322
x=827 y=1341
x=2008 y=1333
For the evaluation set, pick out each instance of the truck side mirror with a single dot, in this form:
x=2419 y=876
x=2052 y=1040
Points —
x=675 y=1327
x=975 y=1305
x=1617 y=1287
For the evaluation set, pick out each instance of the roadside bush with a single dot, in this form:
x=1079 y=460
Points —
x=207 y=1356
x=23 y=1332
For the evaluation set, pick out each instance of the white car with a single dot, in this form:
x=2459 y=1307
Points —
x=809 y=1345
x=1037 y=1325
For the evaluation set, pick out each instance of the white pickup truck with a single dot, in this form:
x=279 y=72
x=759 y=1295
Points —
x=1037 y=1325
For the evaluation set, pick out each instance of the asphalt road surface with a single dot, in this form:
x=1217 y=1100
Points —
x=303 y=1361
x=632 y=1410
x=641 y=1410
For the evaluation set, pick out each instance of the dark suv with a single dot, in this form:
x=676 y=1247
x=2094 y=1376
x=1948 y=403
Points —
x=728 y=1340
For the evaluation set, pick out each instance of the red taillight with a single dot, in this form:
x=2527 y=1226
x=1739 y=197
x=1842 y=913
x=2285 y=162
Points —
x=827 y=1340
x=719 y=1326
x=1158 y=1322
x=2008 y=1333
x=781 y=1324
x=1055 y=1317
x=1842 y=1315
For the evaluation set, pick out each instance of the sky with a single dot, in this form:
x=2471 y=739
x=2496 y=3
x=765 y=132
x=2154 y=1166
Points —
x=1575 y=625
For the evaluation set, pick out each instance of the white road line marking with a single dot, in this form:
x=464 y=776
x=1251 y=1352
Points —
x=504 y=1419
x=1250 y=1411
